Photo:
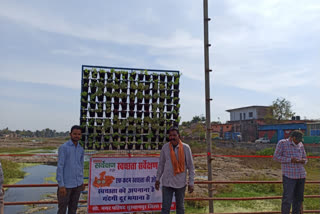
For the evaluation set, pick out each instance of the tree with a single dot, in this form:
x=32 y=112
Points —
x=280 y=110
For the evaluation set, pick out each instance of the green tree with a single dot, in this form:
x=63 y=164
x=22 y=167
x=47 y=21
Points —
x=281 y=109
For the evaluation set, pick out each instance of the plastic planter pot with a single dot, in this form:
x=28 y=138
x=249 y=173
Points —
x=140 y=77
x=90 y=145
x=123 y=114
x=131 y=113
x=169 y=100
x=176 y=101
x=124 y=106
x=176 y=86
x=131 y=106
x=162 y=77
x=92 y=113
x=176 y=93
x=169 y=78
x=146 y=113
x=108 y=113
x=155 y=76
x=86 y=74
x=130 y=146
x=169 y=108
x=117 y=75
x=147 y=77
x=139 y=114
x=139 y=106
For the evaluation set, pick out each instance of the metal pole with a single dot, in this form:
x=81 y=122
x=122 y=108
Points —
x=207 y=100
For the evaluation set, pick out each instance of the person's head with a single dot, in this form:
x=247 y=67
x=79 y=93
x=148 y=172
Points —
x=174 y=135
x=296 y=136
x=75 y=133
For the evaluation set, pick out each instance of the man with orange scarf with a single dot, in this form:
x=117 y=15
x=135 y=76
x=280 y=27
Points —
x=175 y=160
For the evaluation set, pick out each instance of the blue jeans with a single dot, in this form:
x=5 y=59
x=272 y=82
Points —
x=167 y=194
x=293 y=190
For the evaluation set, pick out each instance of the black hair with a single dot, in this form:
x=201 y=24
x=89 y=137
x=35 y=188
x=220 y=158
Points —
x=75 y=127
x=297 y=134
x=174 y=128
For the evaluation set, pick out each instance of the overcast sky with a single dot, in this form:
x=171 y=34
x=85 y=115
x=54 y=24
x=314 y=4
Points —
x=260 y=50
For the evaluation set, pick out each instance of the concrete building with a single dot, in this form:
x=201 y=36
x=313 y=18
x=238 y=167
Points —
x=246 y=120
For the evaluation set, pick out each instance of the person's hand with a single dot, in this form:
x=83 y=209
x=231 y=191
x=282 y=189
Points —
x=294 y=160
x=83 y=187
x=301 y=161
x=190 y=189
x=62 y=191
x=157 y=185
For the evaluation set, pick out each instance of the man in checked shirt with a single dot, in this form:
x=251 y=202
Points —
x=292 y=156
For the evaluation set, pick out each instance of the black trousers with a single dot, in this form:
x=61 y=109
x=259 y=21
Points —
x=293 y=190
x=70 y=200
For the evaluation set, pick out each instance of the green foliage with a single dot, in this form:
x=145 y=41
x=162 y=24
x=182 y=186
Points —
x=281 y=109
x=267 y=151
x=11 y=170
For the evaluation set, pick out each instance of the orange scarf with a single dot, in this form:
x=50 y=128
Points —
x=178 y=165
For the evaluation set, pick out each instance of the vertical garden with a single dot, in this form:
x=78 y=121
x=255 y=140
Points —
x=125 y=109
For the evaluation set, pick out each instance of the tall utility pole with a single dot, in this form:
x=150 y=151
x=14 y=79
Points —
x=208 y=99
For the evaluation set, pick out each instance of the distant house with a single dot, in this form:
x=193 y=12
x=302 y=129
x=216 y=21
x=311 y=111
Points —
x=246 y=120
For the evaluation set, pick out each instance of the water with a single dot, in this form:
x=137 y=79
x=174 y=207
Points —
x=36 y=175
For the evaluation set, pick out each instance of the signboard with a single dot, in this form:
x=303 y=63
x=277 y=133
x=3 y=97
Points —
x=122 y=185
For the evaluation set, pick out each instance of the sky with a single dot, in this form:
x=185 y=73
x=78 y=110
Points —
x=261 y=50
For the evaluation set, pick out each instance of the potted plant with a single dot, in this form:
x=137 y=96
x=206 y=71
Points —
x=90 y=144
x=93 y=87
x=106 y=144
x=109 y=86
x=124 y=87
x=123 y=97
x=176 y=93
x=133 y=87
x=123 y=113
x=92 y=112
x=176 y=82
x=139 y=97
x=116 y=96
x=155 y=97
x=102 y=74
x=169 y=108
x=86 y=73
x=147 y=98
x=140 y=76
x=155 y=77
x=162 y=77
x=84 y=103
x=176 y=100
x=138 y=144
x=94 y=74
x=140 y=87
x=117 y=75
x=161 y=107
x=108 y=112
x=100 y=94
x=162 y=96
x=169 y=77
x=162 y=87
x=132 y=77
x=124 y=75
x=85 y=85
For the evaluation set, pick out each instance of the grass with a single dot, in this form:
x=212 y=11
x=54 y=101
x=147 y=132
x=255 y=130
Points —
x=13 y=172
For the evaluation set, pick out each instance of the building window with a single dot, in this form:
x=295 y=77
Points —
x=240 y=116
x=250 y=114
x=244 y=116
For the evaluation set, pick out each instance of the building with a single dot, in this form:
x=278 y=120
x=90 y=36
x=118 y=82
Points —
x=246 y=120
x=277 y=132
